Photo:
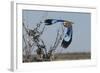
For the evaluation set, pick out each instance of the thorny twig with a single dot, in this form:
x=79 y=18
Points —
x=35 y=33
x=58 y=38
x=56 y=43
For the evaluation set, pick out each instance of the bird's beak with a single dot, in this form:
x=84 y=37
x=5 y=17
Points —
x=68 y=23
x=72 y=23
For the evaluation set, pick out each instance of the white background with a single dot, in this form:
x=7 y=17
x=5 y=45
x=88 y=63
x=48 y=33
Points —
x=5 y=33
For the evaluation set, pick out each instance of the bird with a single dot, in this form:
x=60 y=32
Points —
x=52 y=21
x=68 y=30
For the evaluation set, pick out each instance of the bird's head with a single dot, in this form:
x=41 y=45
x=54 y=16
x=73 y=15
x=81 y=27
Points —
x=68 y=23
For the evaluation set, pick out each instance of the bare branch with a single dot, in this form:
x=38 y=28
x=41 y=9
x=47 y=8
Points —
x=58 y=39
x=42 y=30
x=44 y=46
x=25 y=28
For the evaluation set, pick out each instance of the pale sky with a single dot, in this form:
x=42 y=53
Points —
x=81 y=41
